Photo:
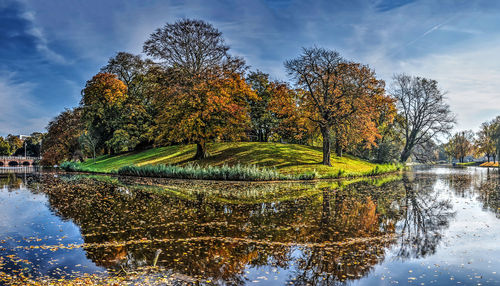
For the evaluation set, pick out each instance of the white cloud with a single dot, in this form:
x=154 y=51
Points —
x=42 y=43
x=19 y=110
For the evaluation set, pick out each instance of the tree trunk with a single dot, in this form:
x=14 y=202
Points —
x=201 y=151
x=405 y=155
x=325 y=132
x=338 y=148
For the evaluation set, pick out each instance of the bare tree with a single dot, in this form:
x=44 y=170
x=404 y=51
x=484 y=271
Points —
x=131 y=69
x=194 y=46
x=423 y=110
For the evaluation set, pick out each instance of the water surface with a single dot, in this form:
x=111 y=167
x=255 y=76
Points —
x=428 y=226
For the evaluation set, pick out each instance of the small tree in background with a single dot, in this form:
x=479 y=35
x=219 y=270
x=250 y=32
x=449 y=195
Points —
x=461 y=145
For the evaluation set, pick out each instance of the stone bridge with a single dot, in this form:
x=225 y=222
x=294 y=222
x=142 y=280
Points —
x=6 y=161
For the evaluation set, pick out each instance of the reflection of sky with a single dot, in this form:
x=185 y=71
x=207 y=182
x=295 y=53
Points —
x=26 y=216
x=468 y=254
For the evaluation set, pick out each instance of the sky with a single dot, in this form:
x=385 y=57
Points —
x=50 y=48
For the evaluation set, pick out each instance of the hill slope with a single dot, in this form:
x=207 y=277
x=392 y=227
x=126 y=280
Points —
x=286 y=158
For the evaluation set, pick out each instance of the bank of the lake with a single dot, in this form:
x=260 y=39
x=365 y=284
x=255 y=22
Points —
x=234 y=161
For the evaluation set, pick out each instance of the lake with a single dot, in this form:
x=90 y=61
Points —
x=435 y=225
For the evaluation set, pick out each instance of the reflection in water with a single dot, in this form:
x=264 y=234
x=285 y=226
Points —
x=424 y=217
x=322 y=230
x=323 y=233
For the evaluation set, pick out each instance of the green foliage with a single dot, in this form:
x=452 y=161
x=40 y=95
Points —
x=122 y=141
x=469 y=164
x=71 y=166
x=231 y=173
x=4 y=147
x=261 y=117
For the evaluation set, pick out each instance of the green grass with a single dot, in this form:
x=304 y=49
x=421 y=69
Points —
x=469 y=164
x=298 y=161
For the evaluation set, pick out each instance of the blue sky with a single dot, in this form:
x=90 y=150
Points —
x=48 y=49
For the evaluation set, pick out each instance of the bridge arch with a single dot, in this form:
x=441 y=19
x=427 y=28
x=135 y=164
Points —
x=1 y=163
x=26 y=163
x=13 y=163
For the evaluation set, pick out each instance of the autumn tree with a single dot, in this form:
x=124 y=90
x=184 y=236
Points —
x=425 y=114
x=195 y=110
x=137 y=121
x=61 y=141
x=370 y=111
x=102 y=107
x=339 y=95
x=485 y=142
x=292 y=123
x=461 y=145
x=204 y=94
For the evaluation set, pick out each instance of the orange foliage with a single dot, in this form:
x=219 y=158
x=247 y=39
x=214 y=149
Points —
x=197 y=109
x=104 y=88
x=285 y=105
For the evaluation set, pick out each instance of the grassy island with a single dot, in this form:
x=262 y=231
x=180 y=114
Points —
x=233 y=161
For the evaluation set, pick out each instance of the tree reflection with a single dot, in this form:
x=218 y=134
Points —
x=322 y=234
x=360 y=220
x=489 y=191
x=10 y=181
x=425 y=216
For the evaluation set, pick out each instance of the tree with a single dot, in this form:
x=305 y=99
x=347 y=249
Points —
x=292 y=124
x=4 y=147
x=338 y=95
x=461 y=145
x=424 y=112
x=496 y=135
x=204 y=95
x=15 y=143
x=485 y=142
x=89 y=142
x=194 y=46
x=138 y=112
x=32 y=144
x=261 y=117
x=61 y=142
x=102 y=107
x=195 y=110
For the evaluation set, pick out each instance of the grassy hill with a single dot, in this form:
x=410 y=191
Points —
x=285 y=158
